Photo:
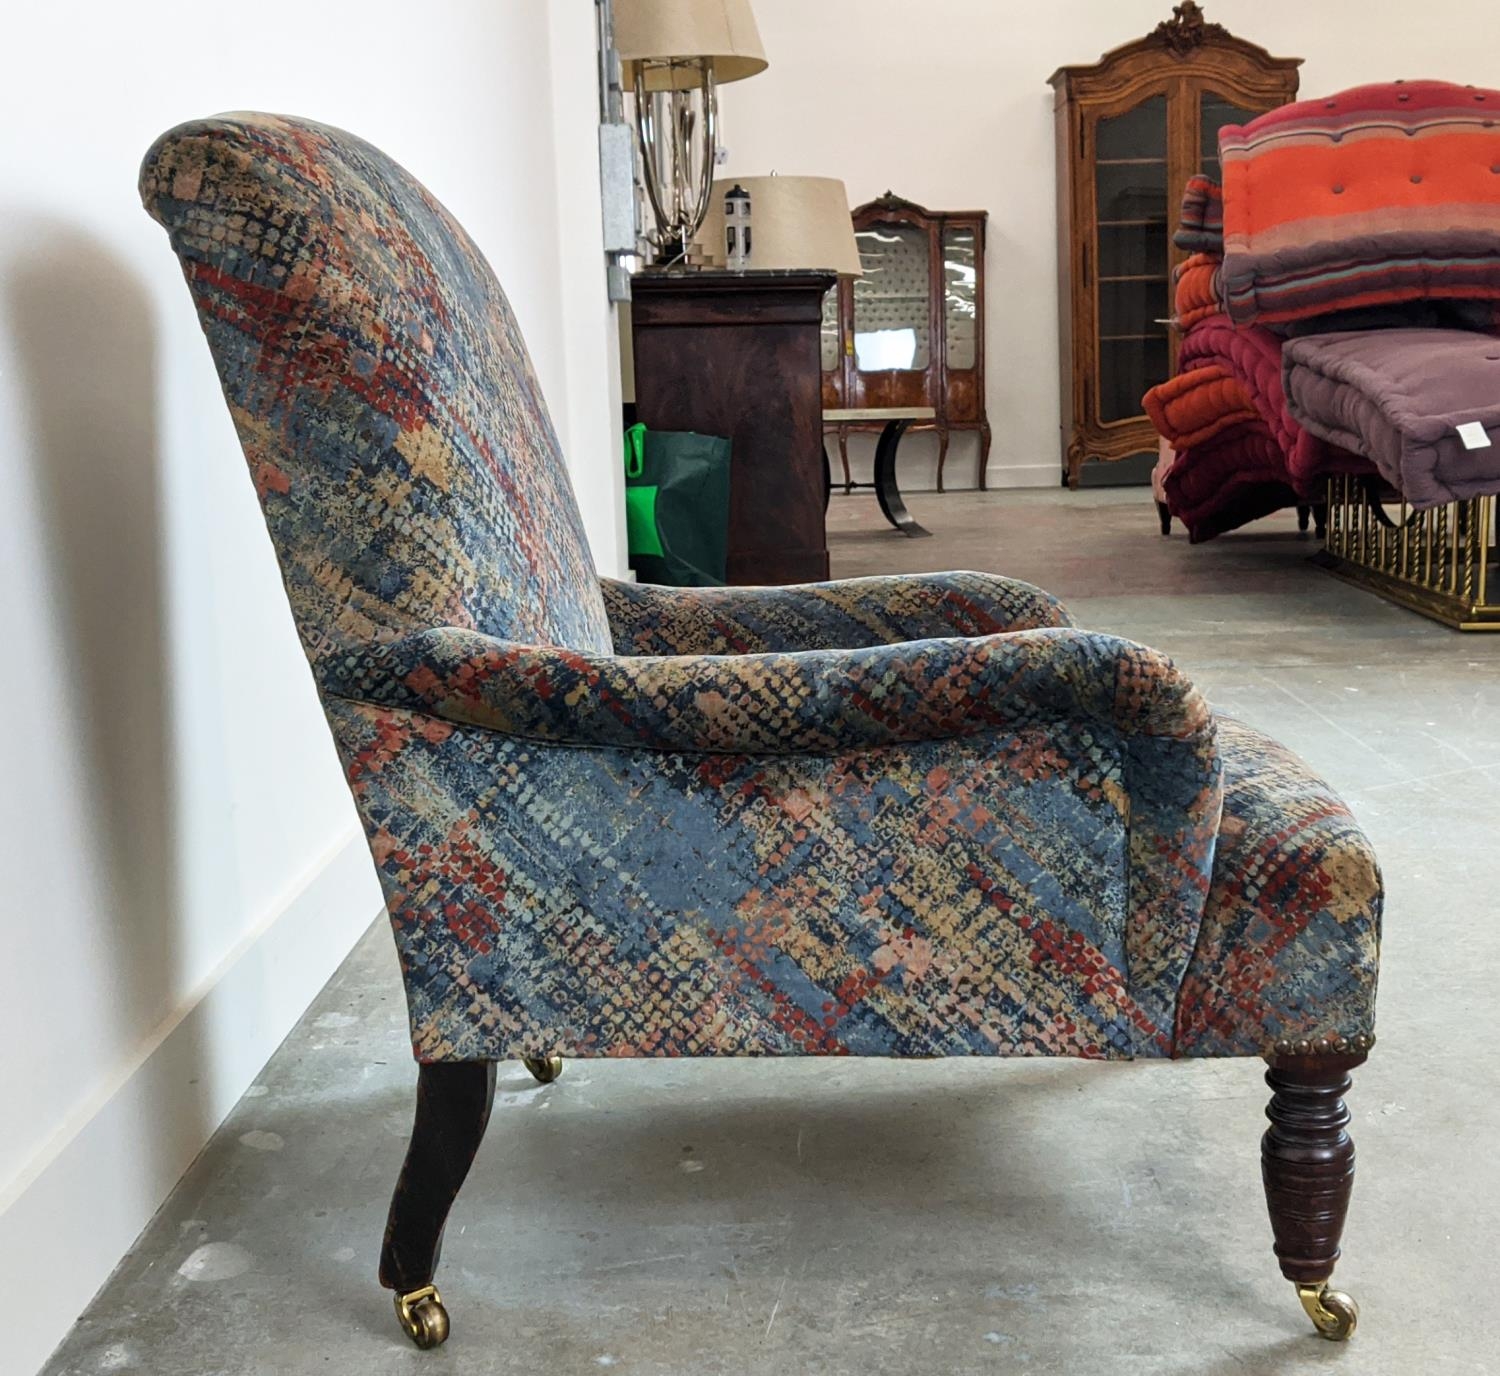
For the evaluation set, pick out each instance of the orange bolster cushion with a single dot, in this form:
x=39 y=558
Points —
x=1193 y=407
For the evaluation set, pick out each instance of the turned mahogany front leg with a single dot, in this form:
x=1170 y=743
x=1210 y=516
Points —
x=453 y=1109
x=1307 y=1162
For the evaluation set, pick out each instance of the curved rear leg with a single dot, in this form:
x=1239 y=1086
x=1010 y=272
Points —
x=453 y=1109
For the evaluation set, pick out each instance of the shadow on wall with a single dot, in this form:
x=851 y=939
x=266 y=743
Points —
x=86 y=336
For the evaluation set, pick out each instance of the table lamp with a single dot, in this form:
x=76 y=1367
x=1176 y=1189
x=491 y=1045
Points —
x=674 y=54
x=796 y=222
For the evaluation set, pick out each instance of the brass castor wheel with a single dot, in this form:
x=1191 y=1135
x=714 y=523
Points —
x=544 y=1069
x=423 y=1317
x=1334 y=1314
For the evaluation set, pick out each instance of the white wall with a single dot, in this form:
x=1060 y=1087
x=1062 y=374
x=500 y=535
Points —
x=591 y=333
x=947 y=104
x=183 y=867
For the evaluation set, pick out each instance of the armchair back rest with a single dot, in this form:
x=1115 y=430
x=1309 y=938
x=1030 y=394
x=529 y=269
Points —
x=399 y=442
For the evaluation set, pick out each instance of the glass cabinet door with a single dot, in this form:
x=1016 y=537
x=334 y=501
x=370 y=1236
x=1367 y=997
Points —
x=1214 y=112
x=892 y=313
x=1131 y=271
x=960 y=297
x=829 y=335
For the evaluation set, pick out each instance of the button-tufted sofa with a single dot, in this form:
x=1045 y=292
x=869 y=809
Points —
x=1374 y=196
x=887 y=817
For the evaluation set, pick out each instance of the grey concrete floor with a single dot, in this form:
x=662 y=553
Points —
x=685 y=1219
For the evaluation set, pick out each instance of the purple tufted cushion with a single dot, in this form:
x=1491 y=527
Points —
x=1399 y=397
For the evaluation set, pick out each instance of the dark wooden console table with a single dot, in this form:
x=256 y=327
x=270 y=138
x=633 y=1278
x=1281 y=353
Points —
x=737 y=354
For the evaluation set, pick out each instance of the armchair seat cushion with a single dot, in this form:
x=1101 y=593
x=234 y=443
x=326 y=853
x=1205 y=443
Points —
x=848 y=614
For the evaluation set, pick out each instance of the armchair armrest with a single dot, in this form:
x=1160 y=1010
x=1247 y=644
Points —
x=809 y=702
x=1089 y=762
x=849 y=614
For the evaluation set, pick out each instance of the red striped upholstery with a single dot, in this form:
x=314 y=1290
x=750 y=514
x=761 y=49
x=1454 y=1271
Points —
x=1378 y=195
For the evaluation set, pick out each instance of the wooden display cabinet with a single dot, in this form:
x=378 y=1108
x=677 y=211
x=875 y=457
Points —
x=910 y=331
x=1131 y=129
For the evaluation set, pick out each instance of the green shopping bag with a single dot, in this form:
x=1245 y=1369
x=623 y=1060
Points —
x=677 y=506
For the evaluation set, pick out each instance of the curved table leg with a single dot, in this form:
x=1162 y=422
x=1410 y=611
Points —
x=886 y=490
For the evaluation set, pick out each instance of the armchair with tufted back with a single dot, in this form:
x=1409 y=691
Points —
x=917 y=816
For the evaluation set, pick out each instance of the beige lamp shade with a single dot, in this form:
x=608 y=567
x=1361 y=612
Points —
x=795 y=222
x=722 y=31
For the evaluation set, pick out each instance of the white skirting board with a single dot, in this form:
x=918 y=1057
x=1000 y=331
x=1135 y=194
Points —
x=916 y=463
x=920 y=478
x=1047 y=474
x=72 y=1214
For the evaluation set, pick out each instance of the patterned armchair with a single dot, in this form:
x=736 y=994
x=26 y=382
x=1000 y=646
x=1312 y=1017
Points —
x=886 y=817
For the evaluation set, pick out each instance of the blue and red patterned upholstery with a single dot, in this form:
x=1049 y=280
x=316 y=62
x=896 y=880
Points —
x=408 y=470
x=848 y=615
x=905 y=816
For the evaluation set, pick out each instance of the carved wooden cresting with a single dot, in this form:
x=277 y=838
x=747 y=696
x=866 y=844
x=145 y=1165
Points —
x=1187 y=28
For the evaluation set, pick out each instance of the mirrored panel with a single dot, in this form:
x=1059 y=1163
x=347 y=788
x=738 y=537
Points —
x=891 y=301
x=960 y=296
x=829 y=338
